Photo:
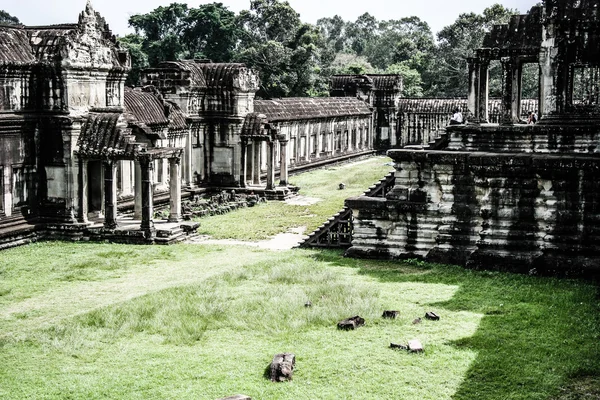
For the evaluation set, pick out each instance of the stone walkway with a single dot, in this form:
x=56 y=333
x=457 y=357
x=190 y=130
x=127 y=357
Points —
x=282 y=241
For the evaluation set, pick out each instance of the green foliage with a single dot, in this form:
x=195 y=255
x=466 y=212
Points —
x=6 y=18
x=456 y=42
x=139 y=59
x=211 y=32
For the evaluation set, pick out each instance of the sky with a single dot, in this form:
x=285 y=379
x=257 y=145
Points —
x=437 y=13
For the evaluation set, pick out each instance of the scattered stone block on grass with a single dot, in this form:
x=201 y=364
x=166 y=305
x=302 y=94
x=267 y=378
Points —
x=416 y=321
x=308 y=304
x=391 y=314
x=415 y=346
x=398 y=346
x=282 y=367
x=432 y=316
x=351 y=323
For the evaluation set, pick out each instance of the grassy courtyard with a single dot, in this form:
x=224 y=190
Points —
x=91 y=321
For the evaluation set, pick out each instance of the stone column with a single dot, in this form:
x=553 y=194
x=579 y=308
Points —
x=137 y=200
x=187 y=165
x=7 y=198
x=283 y=162
x=82 y=209
x=244 y=166
x=511 y=91
x=147 y=200
x=271 y=165
x=256 y=150
x=175 y=189
x=483 y=91
x=473 y=98
x=110 y=194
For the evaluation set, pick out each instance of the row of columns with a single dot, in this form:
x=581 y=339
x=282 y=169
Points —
x=271 y=162
x=143 y=202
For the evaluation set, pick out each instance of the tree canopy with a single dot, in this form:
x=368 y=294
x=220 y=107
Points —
x=297 y=59
x=6 y=18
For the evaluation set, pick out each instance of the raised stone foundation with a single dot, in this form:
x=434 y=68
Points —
x=511 y=211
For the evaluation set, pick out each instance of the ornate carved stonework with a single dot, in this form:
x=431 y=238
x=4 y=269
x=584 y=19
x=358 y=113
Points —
x=91 y=45
x=246 y=81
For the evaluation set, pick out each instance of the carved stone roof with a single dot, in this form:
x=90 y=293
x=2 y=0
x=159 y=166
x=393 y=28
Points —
x=88 y=43
x=522 y=35
x=299 y=108
x=103 y=135
x=447 y=106
x=46 y=41
x=149 y=108
x=14 y=46
x=208 y=75
x=391 y=82
x=254 y=125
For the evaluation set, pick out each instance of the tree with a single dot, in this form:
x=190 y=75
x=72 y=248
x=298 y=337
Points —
x=6 y=18
x=139 y=59
x=361 y=33
x=210 y=31
x=286 y=53
x=457 y=42
x=162 y=30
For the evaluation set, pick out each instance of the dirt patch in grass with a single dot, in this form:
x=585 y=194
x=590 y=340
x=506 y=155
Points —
x=582 y=388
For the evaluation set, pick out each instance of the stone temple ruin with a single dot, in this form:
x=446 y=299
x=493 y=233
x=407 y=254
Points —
x=78 y=147
x=506 y=195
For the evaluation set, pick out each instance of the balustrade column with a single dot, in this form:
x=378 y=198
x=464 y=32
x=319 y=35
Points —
x=511 y=90
x=473 y=98
x=137 y=200
x=175 y=189
x=483 y=95
x=244 y=166
x=147 y=200
x=82 y=179
x=110 y=194
x=283 y=162
x=270 y=165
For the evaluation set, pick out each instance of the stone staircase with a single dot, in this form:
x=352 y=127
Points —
x=16 y=230
x=440 y=141
x=336 y=232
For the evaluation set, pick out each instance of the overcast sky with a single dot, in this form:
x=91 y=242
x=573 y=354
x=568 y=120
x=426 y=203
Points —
x=437 y=13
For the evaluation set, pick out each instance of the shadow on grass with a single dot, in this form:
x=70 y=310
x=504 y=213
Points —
x=538 y=335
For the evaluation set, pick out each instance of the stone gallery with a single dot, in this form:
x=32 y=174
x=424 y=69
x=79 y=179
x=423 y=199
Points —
x=513 y=196
x=77 y=145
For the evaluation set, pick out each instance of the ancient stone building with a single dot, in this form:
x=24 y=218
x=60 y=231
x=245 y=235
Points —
x=508 y=195
x=382 y=92
x=50 y=77
x=78 y=146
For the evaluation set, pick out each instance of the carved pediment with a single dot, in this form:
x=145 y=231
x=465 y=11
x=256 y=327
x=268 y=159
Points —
x=93 y=44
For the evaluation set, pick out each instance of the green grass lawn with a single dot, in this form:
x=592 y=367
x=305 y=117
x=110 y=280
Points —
x=267 y=220
x=91 y=321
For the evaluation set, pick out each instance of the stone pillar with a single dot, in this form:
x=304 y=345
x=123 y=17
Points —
x=244 y=166
x=110 y=194
x=256 y=150
x=283 y=162
x=7 y=198
x=483 y=91
x=175 y=189
x=188 y=178
x=137 y=200
x=511 y=91
x=473 y=98
x=271 y=165
x=147 y=193
x=82 y=209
